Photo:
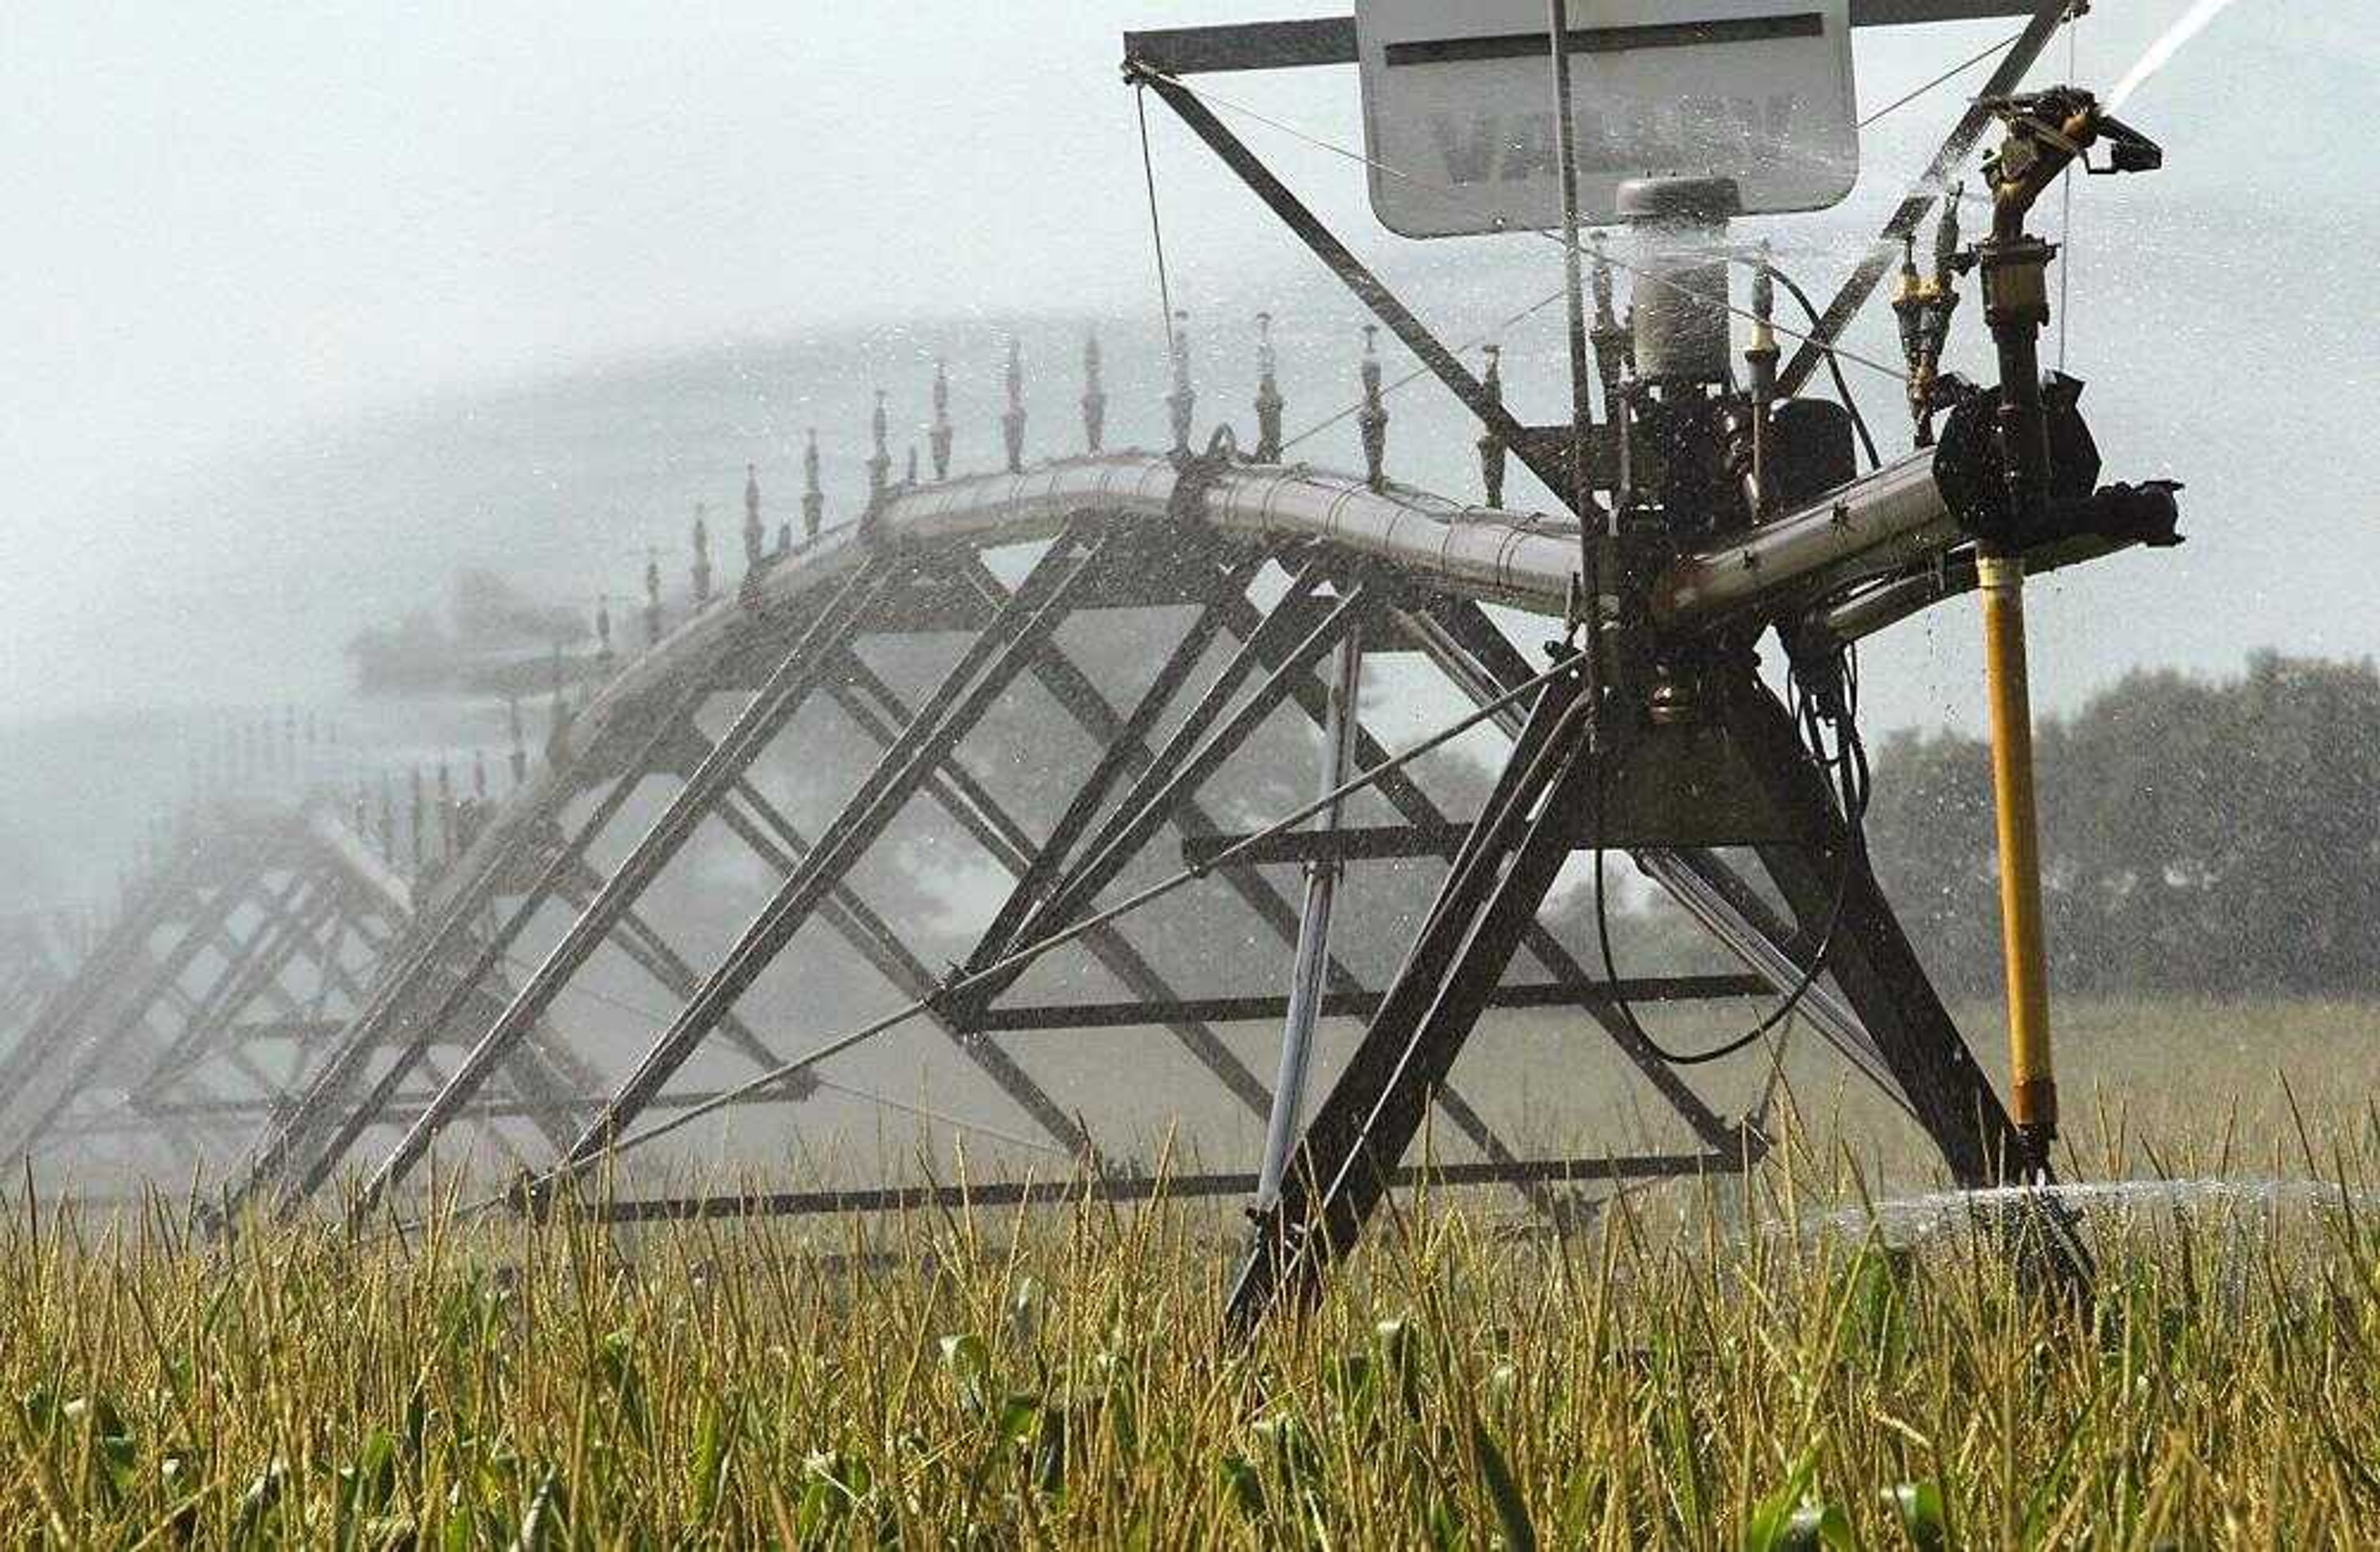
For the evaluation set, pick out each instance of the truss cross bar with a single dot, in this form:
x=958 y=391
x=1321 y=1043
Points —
x=1100 y=848
x=1081 y=700
x=266 y=954
x=783 y=847
x=1123 y=1188
x=1125 y=748
x=1271 y=1007
x=241 y=954
x=1308 y=848
x=776 y=841
x=650 y=952
x=323 y=909
x=316 y=1132
x=1264 y=642
x=447 y=993
x=982 y=674
x=336 y=976
x=245 y=952
x=1075 y=693
x=325 y=948
x=293 y=932
x=276 y=1029
x=983 y=817
x=176 y=993
x=1171 y=778
x=197 y=933
x=102 y=972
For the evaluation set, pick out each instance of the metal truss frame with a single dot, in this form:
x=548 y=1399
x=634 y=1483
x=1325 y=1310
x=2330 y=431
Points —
x=1281 y=590
x=237 y=965
x=1349 y=1156
x=1139 y=788
x=1238 y=653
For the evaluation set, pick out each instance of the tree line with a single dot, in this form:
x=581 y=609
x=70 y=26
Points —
x=2202 y=837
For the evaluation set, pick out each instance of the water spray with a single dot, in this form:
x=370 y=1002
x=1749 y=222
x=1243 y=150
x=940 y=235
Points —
x=2190 y=25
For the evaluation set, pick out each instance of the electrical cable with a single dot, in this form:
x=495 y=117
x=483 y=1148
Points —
x=1848 y=770
x=2066 y=198
x=1842 y=388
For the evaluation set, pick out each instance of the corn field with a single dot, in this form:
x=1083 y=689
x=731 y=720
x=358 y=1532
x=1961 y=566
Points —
x=1783 y=1362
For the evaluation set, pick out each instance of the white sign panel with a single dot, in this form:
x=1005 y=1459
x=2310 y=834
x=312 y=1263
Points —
x=1458 y=119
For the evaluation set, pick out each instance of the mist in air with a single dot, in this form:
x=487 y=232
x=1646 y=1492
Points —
x=344 y=352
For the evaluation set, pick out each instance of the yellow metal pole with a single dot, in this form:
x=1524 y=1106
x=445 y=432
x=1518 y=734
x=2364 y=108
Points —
x=2033 y=1084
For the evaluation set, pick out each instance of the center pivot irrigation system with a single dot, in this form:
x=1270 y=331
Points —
x=1711 y=508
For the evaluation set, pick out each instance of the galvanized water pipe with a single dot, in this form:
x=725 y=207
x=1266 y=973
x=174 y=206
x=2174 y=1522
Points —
x=1873 y=526
x=1313 y=958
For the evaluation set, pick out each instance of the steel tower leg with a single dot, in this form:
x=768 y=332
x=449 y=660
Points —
x=1399 y=789
x=1472 y=652
x=1870 y=957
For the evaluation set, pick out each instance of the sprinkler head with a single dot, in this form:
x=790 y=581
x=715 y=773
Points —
x=2129 y=151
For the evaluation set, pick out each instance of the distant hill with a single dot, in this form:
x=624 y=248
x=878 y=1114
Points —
x=2201 y=314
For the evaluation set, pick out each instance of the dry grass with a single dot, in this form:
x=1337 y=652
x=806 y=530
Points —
x=1699 y=1368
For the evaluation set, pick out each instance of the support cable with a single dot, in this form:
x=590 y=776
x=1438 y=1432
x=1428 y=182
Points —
x=1156 y=228
x=959 y=985
x=1451 y=193
x=870 y=1096
x=1421 y=371
x=1946 y=76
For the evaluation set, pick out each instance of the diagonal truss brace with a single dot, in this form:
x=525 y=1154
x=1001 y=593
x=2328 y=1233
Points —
x=781 y=694
x=983 y=672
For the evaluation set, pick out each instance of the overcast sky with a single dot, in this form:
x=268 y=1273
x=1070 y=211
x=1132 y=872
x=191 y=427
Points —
x=230 y=220
x=233 y=216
